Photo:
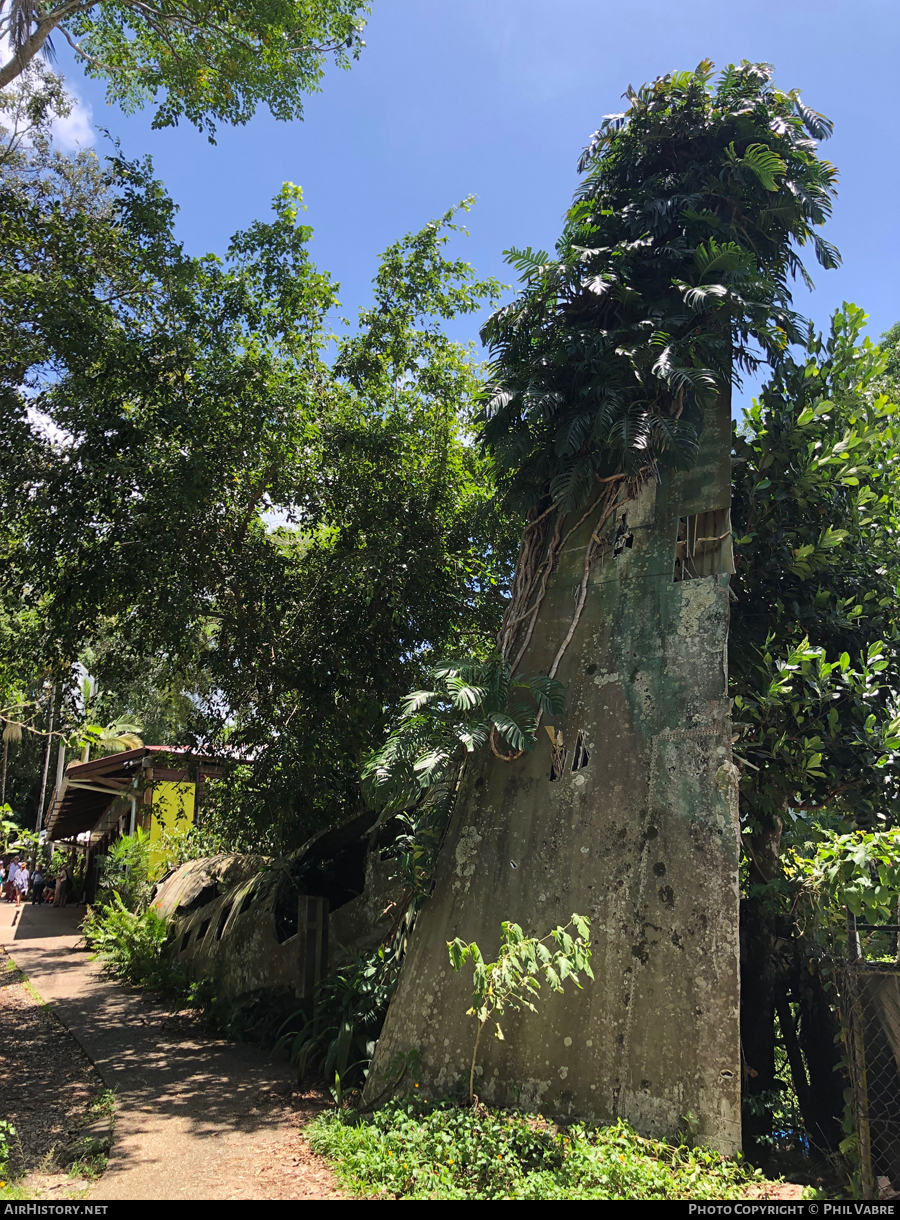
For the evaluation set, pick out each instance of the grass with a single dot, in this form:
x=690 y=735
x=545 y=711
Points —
x=92 y=1165
x=413 y=1149
x=85 y=1169
x=89 y=1168
x=11 y=1192
x=103 y=1105
x=10 y=967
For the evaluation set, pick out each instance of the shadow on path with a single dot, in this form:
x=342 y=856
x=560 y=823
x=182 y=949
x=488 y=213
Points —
x=42 y=922
x=188 y=1120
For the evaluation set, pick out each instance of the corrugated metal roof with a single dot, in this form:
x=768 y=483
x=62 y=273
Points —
x=90 y=796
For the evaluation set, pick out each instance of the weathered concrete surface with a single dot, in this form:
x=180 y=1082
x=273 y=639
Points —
x=644 y=840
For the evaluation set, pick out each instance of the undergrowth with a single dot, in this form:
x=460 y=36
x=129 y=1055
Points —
x=415 y=1149
x=8 y=1136
x=133 y=947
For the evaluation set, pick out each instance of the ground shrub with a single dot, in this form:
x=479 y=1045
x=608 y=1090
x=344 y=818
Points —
x=338 y=1040
x=415 y=1149
x=132 y=946
x=7 y=1134
x=125 y=871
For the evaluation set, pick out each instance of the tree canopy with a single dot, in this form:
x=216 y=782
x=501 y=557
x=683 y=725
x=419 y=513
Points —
x=814 y=639
x=191 y=481
x=206 y=63
x=671 y=275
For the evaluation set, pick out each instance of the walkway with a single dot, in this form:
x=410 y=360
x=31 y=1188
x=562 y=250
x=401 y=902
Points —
x=195 y=1118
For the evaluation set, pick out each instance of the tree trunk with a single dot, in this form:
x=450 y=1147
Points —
x=39 y=820
x=21 y=58
x=758 y=999
x=760 y=985
x=819 y=1038
x=777 y=966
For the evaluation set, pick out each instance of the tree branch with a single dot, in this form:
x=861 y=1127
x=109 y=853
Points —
x=24 y=54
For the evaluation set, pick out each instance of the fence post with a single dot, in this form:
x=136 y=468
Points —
x=857 y=1049
x=312 y=925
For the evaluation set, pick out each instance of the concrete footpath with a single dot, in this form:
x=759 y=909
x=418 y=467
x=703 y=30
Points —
x=194 y=1117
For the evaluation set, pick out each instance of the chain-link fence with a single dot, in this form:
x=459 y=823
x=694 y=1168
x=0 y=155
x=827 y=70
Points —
x=870 y=1004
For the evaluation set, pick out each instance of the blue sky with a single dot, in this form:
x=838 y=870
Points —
x=495 y=98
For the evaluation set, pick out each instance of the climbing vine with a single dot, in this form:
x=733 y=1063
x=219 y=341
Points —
x=670 y=276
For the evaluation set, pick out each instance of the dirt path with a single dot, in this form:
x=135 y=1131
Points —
x=52 y=1087
x=195 y=1118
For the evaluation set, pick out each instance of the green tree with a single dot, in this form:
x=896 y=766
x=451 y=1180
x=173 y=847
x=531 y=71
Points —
x=27 y=686
x=890 y=346
x=190 y=479
x=514 y=980
x=671 y=275
x=204 y=63
x=813 y=665
x=395 y=556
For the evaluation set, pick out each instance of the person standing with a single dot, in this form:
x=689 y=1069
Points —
x=11 y=880
x=62 y=887
x=21 y=883
x=37 y=886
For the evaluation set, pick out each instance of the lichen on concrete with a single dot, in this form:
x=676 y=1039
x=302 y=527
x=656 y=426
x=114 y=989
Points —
x=644 y=840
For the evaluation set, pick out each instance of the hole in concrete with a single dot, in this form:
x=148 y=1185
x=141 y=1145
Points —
x=185 y=941
x=624 y=537
x=728 y=1075
x=286 y=921
x=247 y=901
x=703 y=545
x=223 y=920
x=580 y=755
x=202 y=930
x=558 y=752
x=667 y=896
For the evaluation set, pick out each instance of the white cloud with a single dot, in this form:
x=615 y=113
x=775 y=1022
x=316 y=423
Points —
x=76 y=129
x=44 y=425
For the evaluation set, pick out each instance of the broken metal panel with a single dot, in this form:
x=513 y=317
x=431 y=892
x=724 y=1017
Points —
x=201 y=881
x=704 y=545
x=641 y=835
x=252 y=925
x=366 y=922
x=233 y=941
